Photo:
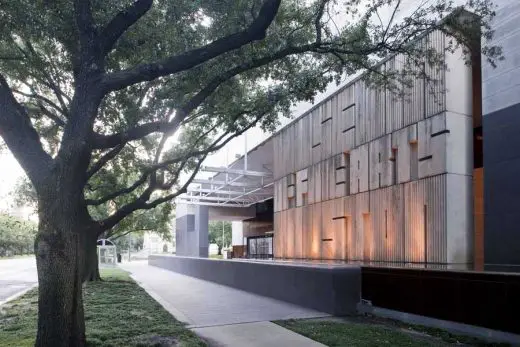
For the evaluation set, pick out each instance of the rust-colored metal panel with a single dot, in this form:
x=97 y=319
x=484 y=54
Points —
x=486 y=299
x=478 y=210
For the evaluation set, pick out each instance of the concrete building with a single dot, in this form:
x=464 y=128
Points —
x=501 y=126
x=369 y=175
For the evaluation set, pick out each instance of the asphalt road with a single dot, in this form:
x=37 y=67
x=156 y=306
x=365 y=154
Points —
x=16 y=275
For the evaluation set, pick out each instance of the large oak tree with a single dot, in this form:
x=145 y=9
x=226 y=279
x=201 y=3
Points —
x=91 y=85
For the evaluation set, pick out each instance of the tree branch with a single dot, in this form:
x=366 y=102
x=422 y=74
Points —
x=121 y=22
x=108 y=141
x=111 y=233
x=141 y=202
x=105 y=159
x=21 y=138
x=43 y=98
x=85 y=23
x=147 y=72
x=57 y=120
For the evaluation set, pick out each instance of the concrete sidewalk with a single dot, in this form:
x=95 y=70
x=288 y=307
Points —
x=221 y=315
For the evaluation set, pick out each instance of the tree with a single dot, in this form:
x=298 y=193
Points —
x=219 y=236
x=16 y=235
x=87 y=84
x=133 y=241
x=155 y=220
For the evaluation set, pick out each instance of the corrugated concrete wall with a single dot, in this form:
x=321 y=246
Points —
x=369 y=175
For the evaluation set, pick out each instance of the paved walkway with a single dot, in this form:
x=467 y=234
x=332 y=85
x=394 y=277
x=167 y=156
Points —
x=16 y=277
x=223 y=316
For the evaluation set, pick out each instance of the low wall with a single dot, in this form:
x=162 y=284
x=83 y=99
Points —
x=485 y=299
x=331 y=289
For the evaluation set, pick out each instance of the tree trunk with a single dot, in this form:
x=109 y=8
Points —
x=219 y=250
x=91 y=268
x=59 y=251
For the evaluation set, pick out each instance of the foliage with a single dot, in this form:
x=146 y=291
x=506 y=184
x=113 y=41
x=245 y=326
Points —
x=134 y=240
x=16 y=236
x=215 y=233
x=156 y=220
x=118 y=313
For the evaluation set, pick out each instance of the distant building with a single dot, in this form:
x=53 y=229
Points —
x=154 y=243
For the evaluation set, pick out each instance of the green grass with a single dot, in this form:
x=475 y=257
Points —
x=117 y=313
x=333 y=333
x=17 y=256
x=367 y=332
x=216 y=256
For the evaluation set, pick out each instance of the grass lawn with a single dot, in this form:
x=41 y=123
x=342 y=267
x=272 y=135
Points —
x=216 y=256
x=117 y=313
x=367 y=333
x=17 y=256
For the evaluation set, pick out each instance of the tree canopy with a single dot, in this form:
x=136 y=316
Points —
x=220 y=233
x=211 y=69
x=16 y=236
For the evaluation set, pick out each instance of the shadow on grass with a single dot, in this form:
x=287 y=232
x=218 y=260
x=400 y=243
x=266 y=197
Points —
x=117 y=313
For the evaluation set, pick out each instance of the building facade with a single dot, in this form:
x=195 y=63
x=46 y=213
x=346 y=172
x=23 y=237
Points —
x=369 y=175
x=501 y=126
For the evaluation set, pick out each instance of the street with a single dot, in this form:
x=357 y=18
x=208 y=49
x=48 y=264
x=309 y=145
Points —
x=16 y=275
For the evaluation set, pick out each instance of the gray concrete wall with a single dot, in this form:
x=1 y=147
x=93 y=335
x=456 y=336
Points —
x=191 y=230
x=330 y=289
x=501 y=128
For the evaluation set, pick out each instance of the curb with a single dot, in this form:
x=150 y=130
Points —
x=19 y=294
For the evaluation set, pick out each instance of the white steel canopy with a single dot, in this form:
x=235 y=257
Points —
x=245 y=182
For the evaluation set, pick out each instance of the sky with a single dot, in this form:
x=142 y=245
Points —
x=10 y=170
